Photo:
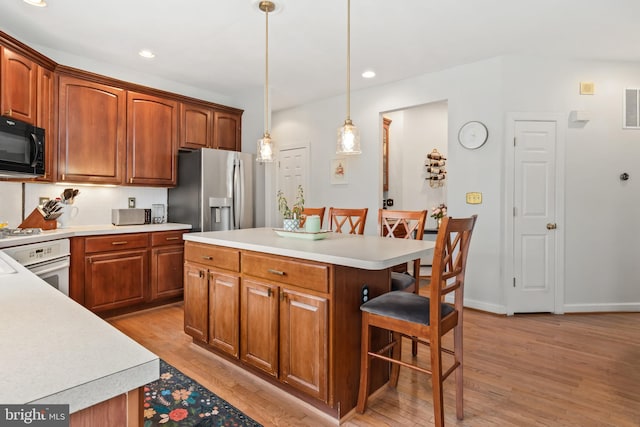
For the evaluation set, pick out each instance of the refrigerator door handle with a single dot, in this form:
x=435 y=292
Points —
x=237 y=192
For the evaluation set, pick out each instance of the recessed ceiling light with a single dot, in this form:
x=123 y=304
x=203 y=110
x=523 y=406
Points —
x=146 y=53
x=39 y=3
x=369 y=74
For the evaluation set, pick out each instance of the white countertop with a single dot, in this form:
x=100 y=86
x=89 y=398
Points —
x=89 y=230
x=366 y=252
x=56 y=351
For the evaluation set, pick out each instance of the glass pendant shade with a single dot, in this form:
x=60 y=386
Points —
x=348 y=139
x=265 y=149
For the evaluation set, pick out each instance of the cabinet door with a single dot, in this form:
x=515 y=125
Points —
x=116 y=279
x=46 y=120
x=18 y=86
x=92 y=126
x=196 y=126
x=152 y=135
x=227 y=131
x=196 y=301
x=303 y=342
x=167 y=272
x=259 y=325
x=224 y=312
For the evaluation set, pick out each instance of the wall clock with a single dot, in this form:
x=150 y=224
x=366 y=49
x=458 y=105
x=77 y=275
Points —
x=473 y=135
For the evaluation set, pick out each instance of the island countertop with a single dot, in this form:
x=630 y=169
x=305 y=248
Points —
x=56 y=351
x=359 y=251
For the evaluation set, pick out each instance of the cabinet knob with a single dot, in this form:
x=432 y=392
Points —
x=551 y=226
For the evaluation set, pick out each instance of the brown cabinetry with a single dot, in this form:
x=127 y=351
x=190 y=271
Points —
x=227 y=130
x=167 y=261
x=18 y=86
x=224 y=311
x=196 y=301
x=92 y=130
x=152 y=135
x=284 y=326
x=116 y=271
x=196 y=126
x=45 y=119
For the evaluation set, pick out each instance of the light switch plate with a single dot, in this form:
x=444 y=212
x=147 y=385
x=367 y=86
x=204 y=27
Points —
x=132 y=202
x=474 y=198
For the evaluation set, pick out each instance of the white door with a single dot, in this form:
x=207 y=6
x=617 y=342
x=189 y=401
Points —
x=535 y=210
x=292 y=171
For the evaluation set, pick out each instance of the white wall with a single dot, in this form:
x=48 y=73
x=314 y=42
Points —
x=94 y=203
x=600 y=224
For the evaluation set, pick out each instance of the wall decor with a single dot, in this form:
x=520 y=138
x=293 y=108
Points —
x=436 y=172
x=473 y=135
x=339 y=171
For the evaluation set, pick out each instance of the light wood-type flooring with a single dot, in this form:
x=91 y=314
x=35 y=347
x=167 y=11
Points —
x=526 y=370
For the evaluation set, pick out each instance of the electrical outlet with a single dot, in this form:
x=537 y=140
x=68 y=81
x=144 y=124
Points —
x=474 y=198
x=43 y=200
x=132 y=202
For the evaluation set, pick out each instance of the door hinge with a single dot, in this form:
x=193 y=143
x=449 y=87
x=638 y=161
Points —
x=514 y=282
x=514 y=211
x=514 y=141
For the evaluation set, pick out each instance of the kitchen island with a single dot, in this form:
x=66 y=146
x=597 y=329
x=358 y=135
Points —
x=57 y=352
x=288 y=309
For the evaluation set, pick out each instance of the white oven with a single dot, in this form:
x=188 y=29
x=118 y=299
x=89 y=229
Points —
x=48 y=260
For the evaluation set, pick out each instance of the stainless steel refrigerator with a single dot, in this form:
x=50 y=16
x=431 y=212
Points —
x=214 y=191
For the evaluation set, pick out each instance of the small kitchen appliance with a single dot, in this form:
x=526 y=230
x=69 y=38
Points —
x=21 y=148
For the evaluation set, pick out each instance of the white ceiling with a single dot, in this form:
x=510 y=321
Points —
x=218 y=45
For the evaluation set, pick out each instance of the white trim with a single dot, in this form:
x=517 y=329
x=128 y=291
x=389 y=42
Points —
x=484 y=306
x=507 y=244
x=601 y=308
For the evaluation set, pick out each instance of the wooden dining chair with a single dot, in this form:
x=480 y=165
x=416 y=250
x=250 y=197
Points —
x=312 y=211
x=353 y=220
x=409 y=315
x=403 y=225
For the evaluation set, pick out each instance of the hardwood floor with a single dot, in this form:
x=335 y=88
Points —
x=526 y=370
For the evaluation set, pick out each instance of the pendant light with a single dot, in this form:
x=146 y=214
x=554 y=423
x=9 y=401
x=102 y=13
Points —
x=265 y=144
x=348 y=134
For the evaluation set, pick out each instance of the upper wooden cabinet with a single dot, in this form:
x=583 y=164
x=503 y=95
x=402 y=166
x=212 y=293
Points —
x=18 y=86
x=152 y=140
x=196 y=126
x=92 y=128
x=227 y=130
x=45 y=119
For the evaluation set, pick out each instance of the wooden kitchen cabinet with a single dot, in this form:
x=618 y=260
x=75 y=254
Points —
x=196 y=301
x=167 y=260
x=284 y=324
x=116 y=271
x=45 y=118
x=152 y=140
x=196 y=126
x=92 y=131
x=18 y=86
x=211 y=295
x=227 y=130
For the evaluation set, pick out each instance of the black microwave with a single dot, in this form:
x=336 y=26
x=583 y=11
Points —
x=21 y=148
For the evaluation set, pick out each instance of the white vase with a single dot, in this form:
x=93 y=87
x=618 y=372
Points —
x=291 y=224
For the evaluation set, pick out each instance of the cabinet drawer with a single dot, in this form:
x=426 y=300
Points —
x=164 y=238
x=214 y=256
x=303 y=274
x=116 y=242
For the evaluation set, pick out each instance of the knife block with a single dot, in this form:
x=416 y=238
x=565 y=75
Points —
x=36 y=220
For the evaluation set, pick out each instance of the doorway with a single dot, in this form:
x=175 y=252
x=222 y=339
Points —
x=534 y=236
x=293 y=170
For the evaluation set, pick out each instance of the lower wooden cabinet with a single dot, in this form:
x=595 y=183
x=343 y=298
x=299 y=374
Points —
x=124 y=272
x=224 y=308
x=196 y=301
x=116 y=279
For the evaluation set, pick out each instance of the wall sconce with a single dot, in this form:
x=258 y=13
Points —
x=436 y=172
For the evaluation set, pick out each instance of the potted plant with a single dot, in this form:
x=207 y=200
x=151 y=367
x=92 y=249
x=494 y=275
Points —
x=291 y=215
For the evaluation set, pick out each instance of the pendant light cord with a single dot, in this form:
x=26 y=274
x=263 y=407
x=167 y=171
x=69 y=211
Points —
x=266 y=74
x=348 y=59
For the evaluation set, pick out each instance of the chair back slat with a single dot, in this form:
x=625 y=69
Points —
x=312 y=211
x=450 y=261
x=339 y=217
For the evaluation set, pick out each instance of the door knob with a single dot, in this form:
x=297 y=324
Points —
x=551 y=226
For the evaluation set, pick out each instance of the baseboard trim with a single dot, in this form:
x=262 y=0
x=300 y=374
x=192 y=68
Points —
x=600 y=308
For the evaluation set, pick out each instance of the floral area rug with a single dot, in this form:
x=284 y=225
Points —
x=175 y=400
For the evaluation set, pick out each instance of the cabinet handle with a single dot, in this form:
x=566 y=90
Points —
x=172 y=238
x=207 y=257
x=278 y=272
x=201 y=274
x=119 y=243
x=283 y=296
x=130 y=180
x=63 y=177
x=9 y=113
x=269 y=292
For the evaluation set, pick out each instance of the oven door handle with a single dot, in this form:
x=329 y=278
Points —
x=56 y=267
